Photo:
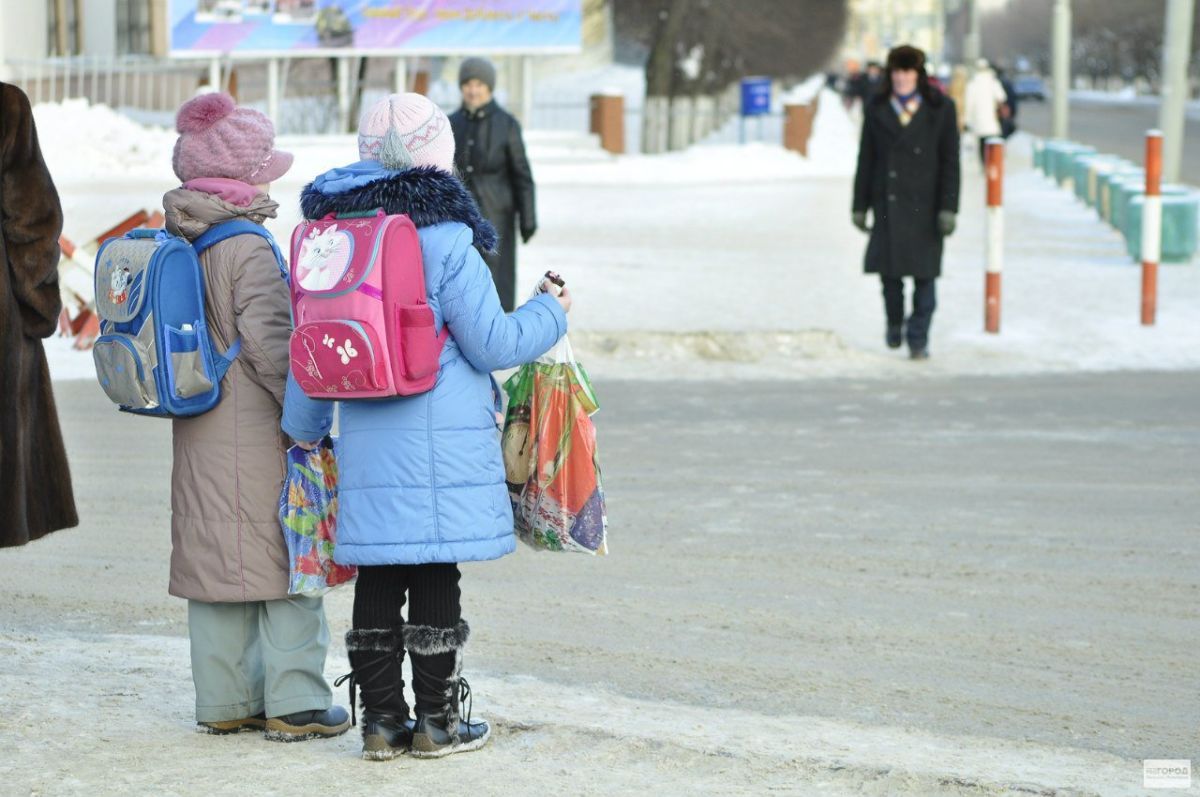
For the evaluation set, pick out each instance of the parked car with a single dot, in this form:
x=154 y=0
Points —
x=1029 y=87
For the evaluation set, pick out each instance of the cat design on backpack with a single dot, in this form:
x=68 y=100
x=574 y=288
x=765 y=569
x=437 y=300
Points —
x=364 y=327
x=155 y=355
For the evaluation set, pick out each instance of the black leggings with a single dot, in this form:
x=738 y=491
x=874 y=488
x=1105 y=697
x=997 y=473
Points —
x=431 y=592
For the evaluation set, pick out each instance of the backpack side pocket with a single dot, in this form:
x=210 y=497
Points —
x=420 y=347
x=189 y=369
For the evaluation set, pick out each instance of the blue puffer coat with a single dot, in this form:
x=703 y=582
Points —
x=422 y=478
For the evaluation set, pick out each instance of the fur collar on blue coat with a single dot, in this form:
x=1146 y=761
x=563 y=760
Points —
x=425 y=194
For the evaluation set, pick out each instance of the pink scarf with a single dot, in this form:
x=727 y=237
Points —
x=235 y=192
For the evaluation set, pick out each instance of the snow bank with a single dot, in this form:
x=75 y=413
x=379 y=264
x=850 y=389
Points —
x=84 y=142
x=832 y=152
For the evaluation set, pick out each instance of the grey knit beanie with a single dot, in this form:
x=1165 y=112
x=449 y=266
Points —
x=478 y=69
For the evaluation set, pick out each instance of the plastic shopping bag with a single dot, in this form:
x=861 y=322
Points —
x=550 y=460
x=308 y=516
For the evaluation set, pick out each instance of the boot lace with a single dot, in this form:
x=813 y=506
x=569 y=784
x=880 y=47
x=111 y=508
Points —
x=351 y=678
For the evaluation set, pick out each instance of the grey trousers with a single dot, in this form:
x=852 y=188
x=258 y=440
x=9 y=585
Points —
x=265 y=656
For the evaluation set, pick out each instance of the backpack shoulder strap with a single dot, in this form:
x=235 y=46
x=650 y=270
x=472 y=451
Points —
x=231 y=229
x=223 y=232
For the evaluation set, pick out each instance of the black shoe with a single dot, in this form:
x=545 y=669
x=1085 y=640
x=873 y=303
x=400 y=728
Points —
x=304 y=725
x=385 y=736
x=895 y=336
x=433 y=737
x=918 y=353
x=256 y=723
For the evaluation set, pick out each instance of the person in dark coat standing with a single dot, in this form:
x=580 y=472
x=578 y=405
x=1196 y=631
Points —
x=908 y=178
x=490 y=158
x=35 y=481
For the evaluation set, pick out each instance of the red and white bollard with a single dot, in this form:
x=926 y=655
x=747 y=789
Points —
x=1152 y=226
x=994 y=168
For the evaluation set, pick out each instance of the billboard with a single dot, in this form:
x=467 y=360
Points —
x=263 y=28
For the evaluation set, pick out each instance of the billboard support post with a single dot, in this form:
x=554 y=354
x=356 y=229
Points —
x=401 y=75
x=527 y=90
x=273 y=91
x=343 y=94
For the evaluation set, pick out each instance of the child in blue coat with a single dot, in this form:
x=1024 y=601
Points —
x=422 y=481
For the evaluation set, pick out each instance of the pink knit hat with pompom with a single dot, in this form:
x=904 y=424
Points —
x=219 y=139
x=404 y=131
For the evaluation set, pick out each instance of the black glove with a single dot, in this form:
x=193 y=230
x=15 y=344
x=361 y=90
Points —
x=859 y=217
x=527 y=234
x=947 y=221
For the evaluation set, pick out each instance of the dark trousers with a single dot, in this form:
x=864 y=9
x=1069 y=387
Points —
x=503 y=264
x=923 y=304
x=431 y=591
x=434 y=608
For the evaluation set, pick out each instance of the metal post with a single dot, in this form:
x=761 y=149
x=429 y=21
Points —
x=273 y=91
x=1062 y=68
x=994 y=156
x=1177 y=48
x=1152 y=226
x=527 y=91
x=401 y=75
x=214 y=73
x=343 y=98
x=973 y=43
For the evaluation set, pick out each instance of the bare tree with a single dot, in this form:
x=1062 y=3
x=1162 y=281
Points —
x=1110 y=38
x=696 y=48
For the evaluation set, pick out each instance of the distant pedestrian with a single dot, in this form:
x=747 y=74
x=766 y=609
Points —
x=908 y=178
x=258 y=654
x=490 y=156
x=35 y=480
x=1008 y=111
x=985 y=104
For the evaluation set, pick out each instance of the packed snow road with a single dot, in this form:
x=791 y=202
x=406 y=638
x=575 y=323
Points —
x=968 y=586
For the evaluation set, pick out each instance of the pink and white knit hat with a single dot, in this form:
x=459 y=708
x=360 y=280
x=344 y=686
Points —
x=219 y=139
x=404 y=131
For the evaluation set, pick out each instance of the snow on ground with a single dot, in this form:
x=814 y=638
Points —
x=630 y=746
x=727 y=261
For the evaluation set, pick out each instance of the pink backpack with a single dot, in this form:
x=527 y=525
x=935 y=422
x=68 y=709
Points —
x=364 y=328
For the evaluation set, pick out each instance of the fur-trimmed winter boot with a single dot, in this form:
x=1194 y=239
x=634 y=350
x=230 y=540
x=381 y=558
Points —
x=441 y=690
x=376 y=656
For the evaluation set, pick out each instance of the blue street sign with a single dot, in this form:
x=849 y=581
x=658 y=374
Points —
x=756 y=96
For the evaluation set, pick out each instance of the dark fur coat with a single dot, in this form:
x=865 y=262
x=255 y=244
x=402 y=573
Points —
x=35 y=482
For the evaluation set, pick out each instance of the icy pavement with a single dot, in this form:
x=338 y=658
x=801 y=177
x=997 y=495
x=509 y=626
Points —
x=136 y=736
x=939 y=586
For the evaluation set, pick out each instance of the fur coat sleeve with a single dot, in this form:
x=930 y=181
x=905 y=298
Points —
x=32 y=217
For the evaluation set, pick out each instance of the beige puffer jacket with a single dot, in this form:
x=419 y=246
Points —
x=229 y=463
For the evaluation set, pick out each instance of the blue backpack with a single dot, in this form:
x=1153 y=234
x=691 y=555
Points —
x=154 y=355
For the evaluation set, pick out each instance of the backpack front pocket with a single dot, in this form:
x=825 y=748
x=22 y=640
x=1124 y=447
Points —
x=189 y=371
x=123 y=367
x=333 y=357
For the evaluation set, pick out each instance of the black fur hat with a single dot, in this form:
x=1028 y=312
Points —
x=906 y=57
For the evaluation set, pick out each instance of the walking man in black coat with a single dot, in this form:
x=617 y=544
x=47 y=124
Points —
x=908 y=178
x=490 y=157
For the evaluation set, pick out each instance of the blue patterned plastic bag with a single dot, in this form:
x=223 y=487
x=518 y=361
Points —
x=308 y=517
